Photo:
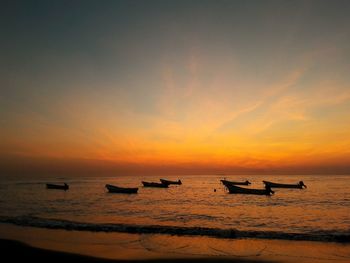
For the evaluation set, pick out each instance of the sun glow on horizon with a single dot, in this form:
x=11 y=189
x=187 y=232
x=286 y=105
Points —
x=187 y=89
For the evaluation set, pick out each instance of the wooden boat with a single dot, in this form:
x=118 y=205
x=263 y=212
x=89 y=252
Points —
x=225 y=182
x=299 y=185
x=233 y=189
x=178 y=182
x=151 y=184
x=122 y=190
x=58 y=186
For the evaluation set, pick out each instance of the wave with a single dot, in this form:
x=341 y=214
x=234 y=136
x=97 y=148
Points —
x=31 y=221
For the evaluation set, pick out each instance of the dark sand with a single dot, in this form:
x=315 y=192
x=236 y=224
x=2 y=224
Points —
x=83 y=246
x=15 y=250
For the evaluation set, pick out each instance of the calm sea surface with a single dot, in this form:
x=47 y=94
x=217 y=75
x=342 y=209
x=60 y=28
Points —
x=320 y=211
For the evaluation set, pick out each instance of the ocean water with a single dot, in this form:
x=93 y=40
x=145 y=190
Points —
x=319 y=213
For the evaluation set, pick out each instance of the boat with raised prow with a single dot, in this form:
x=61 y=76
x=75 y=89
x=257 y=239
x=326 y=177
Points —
x=121 y=190
x=164 y=181
x=299 y=185
x=233 y=189
x=225 y=182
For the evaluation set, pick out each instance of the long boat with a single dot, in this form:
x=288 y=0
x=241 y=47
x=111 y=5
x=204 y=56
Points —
x=299 y=185
x=152 y=184
x=122 y=190
x=233 y=189
x=164 y=181
x=225 y=182
x=58 y=186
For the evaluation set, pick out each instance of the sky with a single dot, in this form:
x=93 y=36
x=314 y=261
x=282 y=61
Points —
x=178 y=87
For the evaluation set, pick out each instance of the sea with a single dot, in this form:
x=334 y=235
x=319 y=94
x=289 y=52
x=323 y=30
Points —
x=201 y=206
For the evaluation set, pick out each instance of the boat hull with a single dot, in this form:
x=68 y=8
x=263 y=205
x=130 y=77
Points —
x=226 y=182
x=56 y=186
x=240 y=190
x=171 y=182
x=121 y=190
x=276 y=185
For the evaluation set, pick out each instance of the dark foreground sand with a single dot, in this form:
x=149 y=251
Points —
x=54 y=245
x=15 y=250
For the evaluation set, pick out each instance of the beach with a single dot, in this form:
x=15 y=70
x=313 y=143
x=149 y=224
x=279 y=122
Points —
x=83 y=246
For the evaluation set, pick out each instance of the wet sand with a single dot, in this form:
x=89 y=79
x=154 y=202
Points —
x=16 y=250
x=83 y=246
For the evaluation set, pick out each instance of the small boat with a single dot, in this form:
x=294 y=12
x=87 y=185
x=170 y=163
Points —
x=170 y=182
x=299 y=185
x=151 y=184
x=233 y=189
x=225 y=182
x=58 y=186
x=122 y=190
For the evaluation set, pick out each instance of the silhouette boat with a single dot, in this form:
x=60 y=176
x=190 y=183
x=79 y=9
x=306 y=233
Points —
x=164 y=181
x=225 y=182
x=299 y=185
x=233 y=189
x=152 y=184
x=122 y=190
x=58 y=186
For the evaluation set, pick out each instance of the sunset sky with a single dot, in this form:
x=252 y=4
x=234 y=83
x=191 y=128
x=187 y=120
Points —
x=175 y=86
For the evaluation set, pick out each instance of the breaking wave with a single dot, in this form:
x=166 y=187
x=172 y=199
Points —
x=323 y=236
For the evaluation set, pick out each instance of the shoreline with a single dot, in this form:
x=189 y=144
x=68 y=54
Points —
x=122 y=247
x=228 y=233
